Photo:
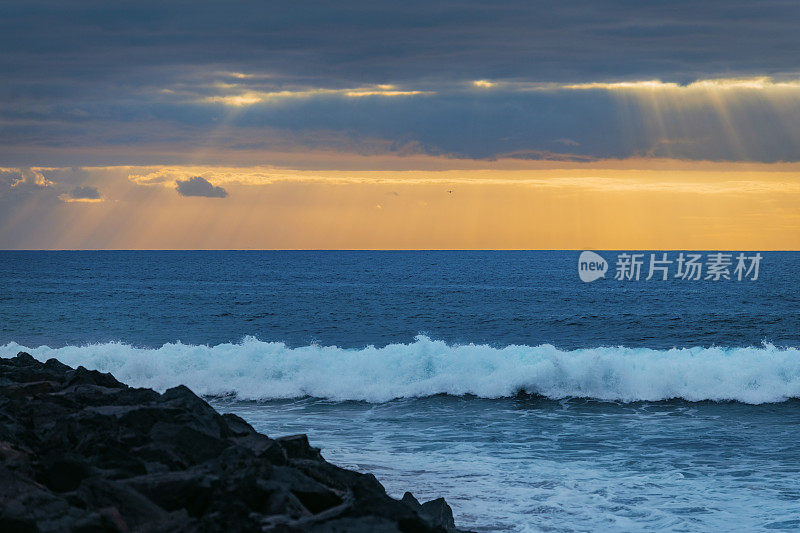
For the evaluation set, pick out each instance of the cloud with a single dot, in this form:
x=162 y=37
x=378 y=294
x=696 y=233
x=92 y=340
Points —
x=646 y=175
x=199 y=186
x=247 y=98
x=400 y=42
x=755 y=120
x=85 y=193
x=24 y=179
x=147 y=82
x=82 y=194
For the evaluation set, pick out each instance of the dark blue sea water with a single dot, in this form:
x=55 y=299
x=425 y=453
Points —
x=354 y=299
x=531 y=400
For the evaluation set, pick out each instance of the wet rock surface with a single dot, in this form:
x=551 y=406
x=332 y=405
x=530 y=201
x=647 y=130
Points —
x=80 y=451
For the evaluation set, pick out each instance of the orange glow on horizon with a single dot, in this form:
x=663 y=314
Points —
x=703 y=206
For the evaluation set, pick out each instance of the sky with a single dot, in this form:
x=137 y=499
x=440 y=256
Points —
x=399 y=125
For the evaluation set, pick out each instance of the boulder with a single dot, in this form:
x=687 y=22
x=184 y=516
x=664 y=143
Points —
x=80 y=451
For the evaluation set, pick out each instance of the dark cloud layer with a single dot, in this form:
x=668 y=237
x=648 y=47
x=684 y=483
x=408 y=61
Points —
x=94 y=74
x=367 y=41
x=199 y=186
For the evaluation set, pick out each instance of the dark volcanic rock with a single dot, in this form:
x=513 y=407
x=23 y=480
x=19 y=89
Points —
x=80 y=451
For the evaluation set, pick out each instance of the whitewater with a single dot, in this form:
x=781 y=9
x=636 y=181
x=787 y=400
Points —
x=258 y=370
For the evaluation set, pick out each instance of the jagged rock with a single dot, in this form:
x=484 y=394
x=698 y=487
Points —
x=437 y=511
x=297 y=447
x=80 y=451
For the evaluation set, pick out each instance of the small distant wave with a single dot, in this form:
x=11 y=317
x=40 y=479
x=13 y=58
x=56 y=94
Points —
x=257 y=370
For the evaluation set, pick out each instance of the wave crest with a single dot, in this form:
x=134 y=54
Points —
x=257 y=370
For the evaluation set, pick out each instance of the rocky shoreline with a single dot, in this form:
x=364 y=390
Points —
x=80 y=451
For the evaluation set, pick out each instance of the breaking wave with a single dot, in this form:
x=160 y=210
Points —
x=257 y=370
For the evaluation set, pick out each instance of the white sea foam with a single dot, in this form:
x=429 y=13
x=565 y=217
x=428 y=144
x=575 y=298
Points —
x=255 y=370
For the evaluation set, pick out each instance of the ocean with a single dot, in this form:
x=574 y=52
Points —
x=529 y=399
